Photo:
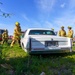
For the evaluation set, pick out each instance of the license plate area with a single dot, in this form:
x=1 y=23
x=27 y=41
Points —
x=51 y=43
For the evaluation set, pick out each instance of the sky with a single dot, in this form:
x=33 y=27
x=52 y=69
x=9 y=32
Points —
x=38 y=14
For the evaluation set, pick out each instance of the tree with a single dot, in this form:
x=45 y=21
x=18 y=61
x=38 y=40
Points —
x=4 y=14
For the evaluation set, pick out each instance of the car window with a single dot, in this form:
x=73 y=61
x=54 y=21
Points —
x=41 y=32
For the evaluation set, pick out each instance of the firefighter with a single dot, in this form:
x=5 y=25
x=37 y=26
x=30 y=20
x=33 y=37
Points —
x=70 y=32
x=52 y=29
x=17 y=34
x=5 y=36
x=62 y=32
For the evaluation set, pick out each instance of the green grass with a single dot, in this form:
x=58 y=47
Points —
x=20 y=63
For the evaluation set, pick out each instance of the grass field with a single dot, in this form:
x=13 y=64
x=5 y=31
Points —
x=14 y=61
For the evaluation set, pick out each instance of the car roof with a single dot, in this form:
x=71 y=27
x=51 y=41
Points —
x=38 y=29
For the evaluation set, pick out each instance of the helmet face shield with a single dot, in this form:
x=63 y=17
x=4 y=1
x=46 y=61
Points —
x=16 y=24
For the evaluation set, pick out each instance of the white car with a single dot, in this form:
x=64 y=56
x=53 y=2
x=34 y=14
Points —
x=37 y=40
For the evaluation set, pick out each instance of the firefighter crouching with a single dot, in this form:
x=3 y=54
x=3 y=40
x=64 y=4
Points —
x=5 y=36
x=62 y=32
x=17 y=34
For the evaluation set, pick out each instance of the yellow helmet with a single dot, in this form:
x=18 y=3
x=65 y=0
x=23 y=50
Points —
x=62 y=26
x=17 y=23
x=69 y=27
x=52 y=28
x=5 y=30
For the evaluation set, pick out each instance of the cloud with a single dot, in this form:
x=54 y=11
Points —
x=62 y=5
x=67 y=17
x=25 y=17
x=45 y=5
x=66 y=20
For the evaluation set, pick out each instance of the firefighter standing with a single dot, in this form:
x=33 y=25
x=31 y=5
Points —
x=52 y=29
x=5 y=36
x=62 y=32
x=70 y=32
x=17 y=34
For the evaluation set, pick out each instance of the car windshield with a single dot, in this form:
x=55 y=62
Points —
x=41 y=32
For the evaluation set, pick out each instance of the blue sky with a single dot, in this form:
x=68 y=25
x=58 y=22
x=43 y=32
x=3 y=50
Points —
x=38 y=14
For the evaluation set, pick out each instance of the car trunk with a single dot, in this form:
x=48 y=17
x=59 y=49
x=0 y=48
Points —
x=42 y=43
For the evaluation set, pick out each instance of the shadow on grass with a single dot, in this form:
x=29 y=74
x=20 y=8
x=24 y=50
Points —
x=51 y=64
